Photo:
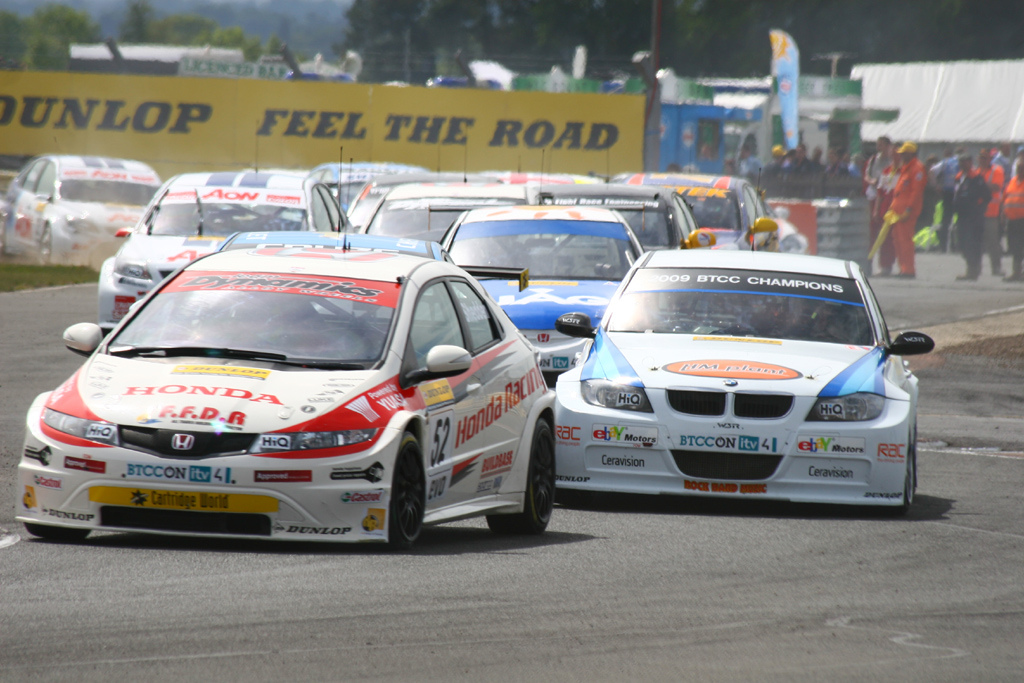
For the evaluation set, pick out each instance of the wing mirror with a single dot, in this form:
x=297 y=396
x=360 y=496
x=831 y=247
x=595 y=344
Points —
x=83 y=338
x=575 y=325
x=911 y=344
x=123 y=232
x=764 y=224
x=442 y=361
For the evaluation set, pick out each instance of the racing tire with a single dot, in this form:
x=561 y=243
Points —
x=45 y=253
x=540 y=489
x=909 y=481
x=408 y=495
x=56 y=533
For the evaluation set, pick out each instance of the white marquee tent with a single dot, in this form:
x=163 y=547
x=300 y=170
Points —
x=946 y=102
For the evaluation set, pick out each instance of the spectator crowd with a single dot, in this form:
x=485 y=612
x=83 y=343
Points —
x=971 y=205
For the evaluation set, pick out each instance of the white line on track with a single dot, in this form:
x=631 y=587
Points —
x=981 y=531
x=901 y=638
x=8 y=539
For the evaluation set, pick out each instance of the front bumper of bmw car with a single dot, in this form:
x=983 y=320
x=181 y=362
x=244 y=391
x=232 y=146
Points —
x=234 y=496
x=779 y=458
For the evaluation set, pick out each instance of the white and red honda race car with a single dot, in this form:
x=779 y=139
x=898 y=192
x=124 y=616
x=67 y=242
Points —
x=288 y=394
x=740 y=374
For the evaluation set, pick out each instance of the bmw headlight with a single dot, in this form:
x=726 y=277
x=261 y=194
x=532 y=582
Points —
x=851 y=408
x=94 y=430
x=601 y=392
x=303 y=441
x=132 y=269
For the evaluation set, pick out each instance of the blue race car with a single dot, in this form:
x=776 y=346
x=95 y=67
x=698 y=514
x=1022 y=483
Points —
x=576 y=258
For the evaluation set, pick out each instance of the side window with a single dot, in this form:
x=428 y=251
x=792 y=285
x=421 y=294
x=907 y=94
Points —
x=686 y=221
x=318 y=210
x=750 y=205
x=434 y=322
x=32 y=176
x=47 y=180
x=483 y=329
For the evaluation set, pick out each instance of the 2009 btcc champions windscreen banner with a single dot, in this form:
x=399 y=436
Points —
x=180 y=124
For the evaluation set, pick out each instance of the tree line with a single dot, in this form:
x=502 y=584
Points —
x=413 y=40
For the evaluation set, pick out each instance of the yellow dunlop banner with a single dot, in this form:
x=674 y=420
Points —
x=203 y=501
x=180 y=124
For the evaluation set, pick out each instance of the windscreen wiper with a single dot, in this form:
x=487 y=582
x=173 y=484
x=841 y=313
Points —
x=205 y=351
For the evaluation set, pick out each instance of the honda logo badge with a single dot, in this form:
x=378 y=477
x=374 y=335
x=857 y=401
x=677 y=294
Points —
x=543 y=337
x=182 y=442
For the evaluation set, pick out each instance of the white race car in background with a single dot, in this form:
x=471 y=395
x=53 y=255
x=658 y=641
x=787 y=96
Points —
x=328 y=394
x=67 y=209
x=193 y=213
x=741 y=375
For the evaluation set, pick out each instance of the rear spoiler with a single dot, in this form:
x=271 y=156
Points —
x=496 y=273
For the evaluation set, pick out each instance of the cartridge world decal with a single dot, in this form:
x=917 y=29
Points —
x=182 y=500
x=173 y=121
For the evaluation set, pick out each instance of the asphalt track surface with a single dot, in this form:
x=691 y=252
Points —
x=627 y=588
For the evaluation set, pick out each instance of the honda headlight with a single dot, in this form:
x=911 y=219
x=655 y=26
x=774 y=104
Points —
x=850 y=408
x=304 y=441
x=601 y=392
x=132 y=269
x=93 y=430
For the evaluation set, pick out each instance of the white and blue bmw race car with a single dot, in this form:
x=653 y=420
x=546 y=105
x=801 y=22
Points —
x=296 y=394
x=576 y=257
x=741 y=375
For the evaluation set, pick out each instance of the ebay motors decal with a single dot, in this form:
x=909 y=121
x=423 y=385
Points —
x=368 y=291
x=732 y=369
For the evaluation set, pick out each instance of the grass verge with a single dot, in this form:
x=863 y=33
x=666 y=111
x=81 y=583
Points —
x=14 y=277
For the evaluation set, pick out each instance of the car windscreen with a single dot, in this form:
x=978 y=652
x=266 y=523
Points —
x=317 y=318
x=743 y=303
x=714 y=207
x=427 y=218
x=215 y=218
x=107 y=192
x=559 y=249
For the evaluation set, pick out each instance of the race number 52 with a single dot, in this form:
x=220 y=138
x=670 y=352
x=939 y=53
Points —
x=442 y=438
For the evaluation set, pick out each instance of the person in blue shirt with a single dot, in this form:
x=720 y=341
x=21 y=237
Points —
x=944 y=175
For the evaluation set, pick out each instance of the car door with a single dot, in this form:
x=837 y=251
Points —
x=462 y=411
x=434 y=322
x=504 y=374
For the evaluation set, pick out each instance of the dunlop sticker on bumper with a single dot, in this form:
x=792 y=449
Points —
x=201 y=501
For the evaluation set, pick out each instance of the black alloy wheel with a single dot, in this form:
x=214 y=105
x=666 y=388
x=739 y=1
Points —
x=540 y=489
x=408 y=495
